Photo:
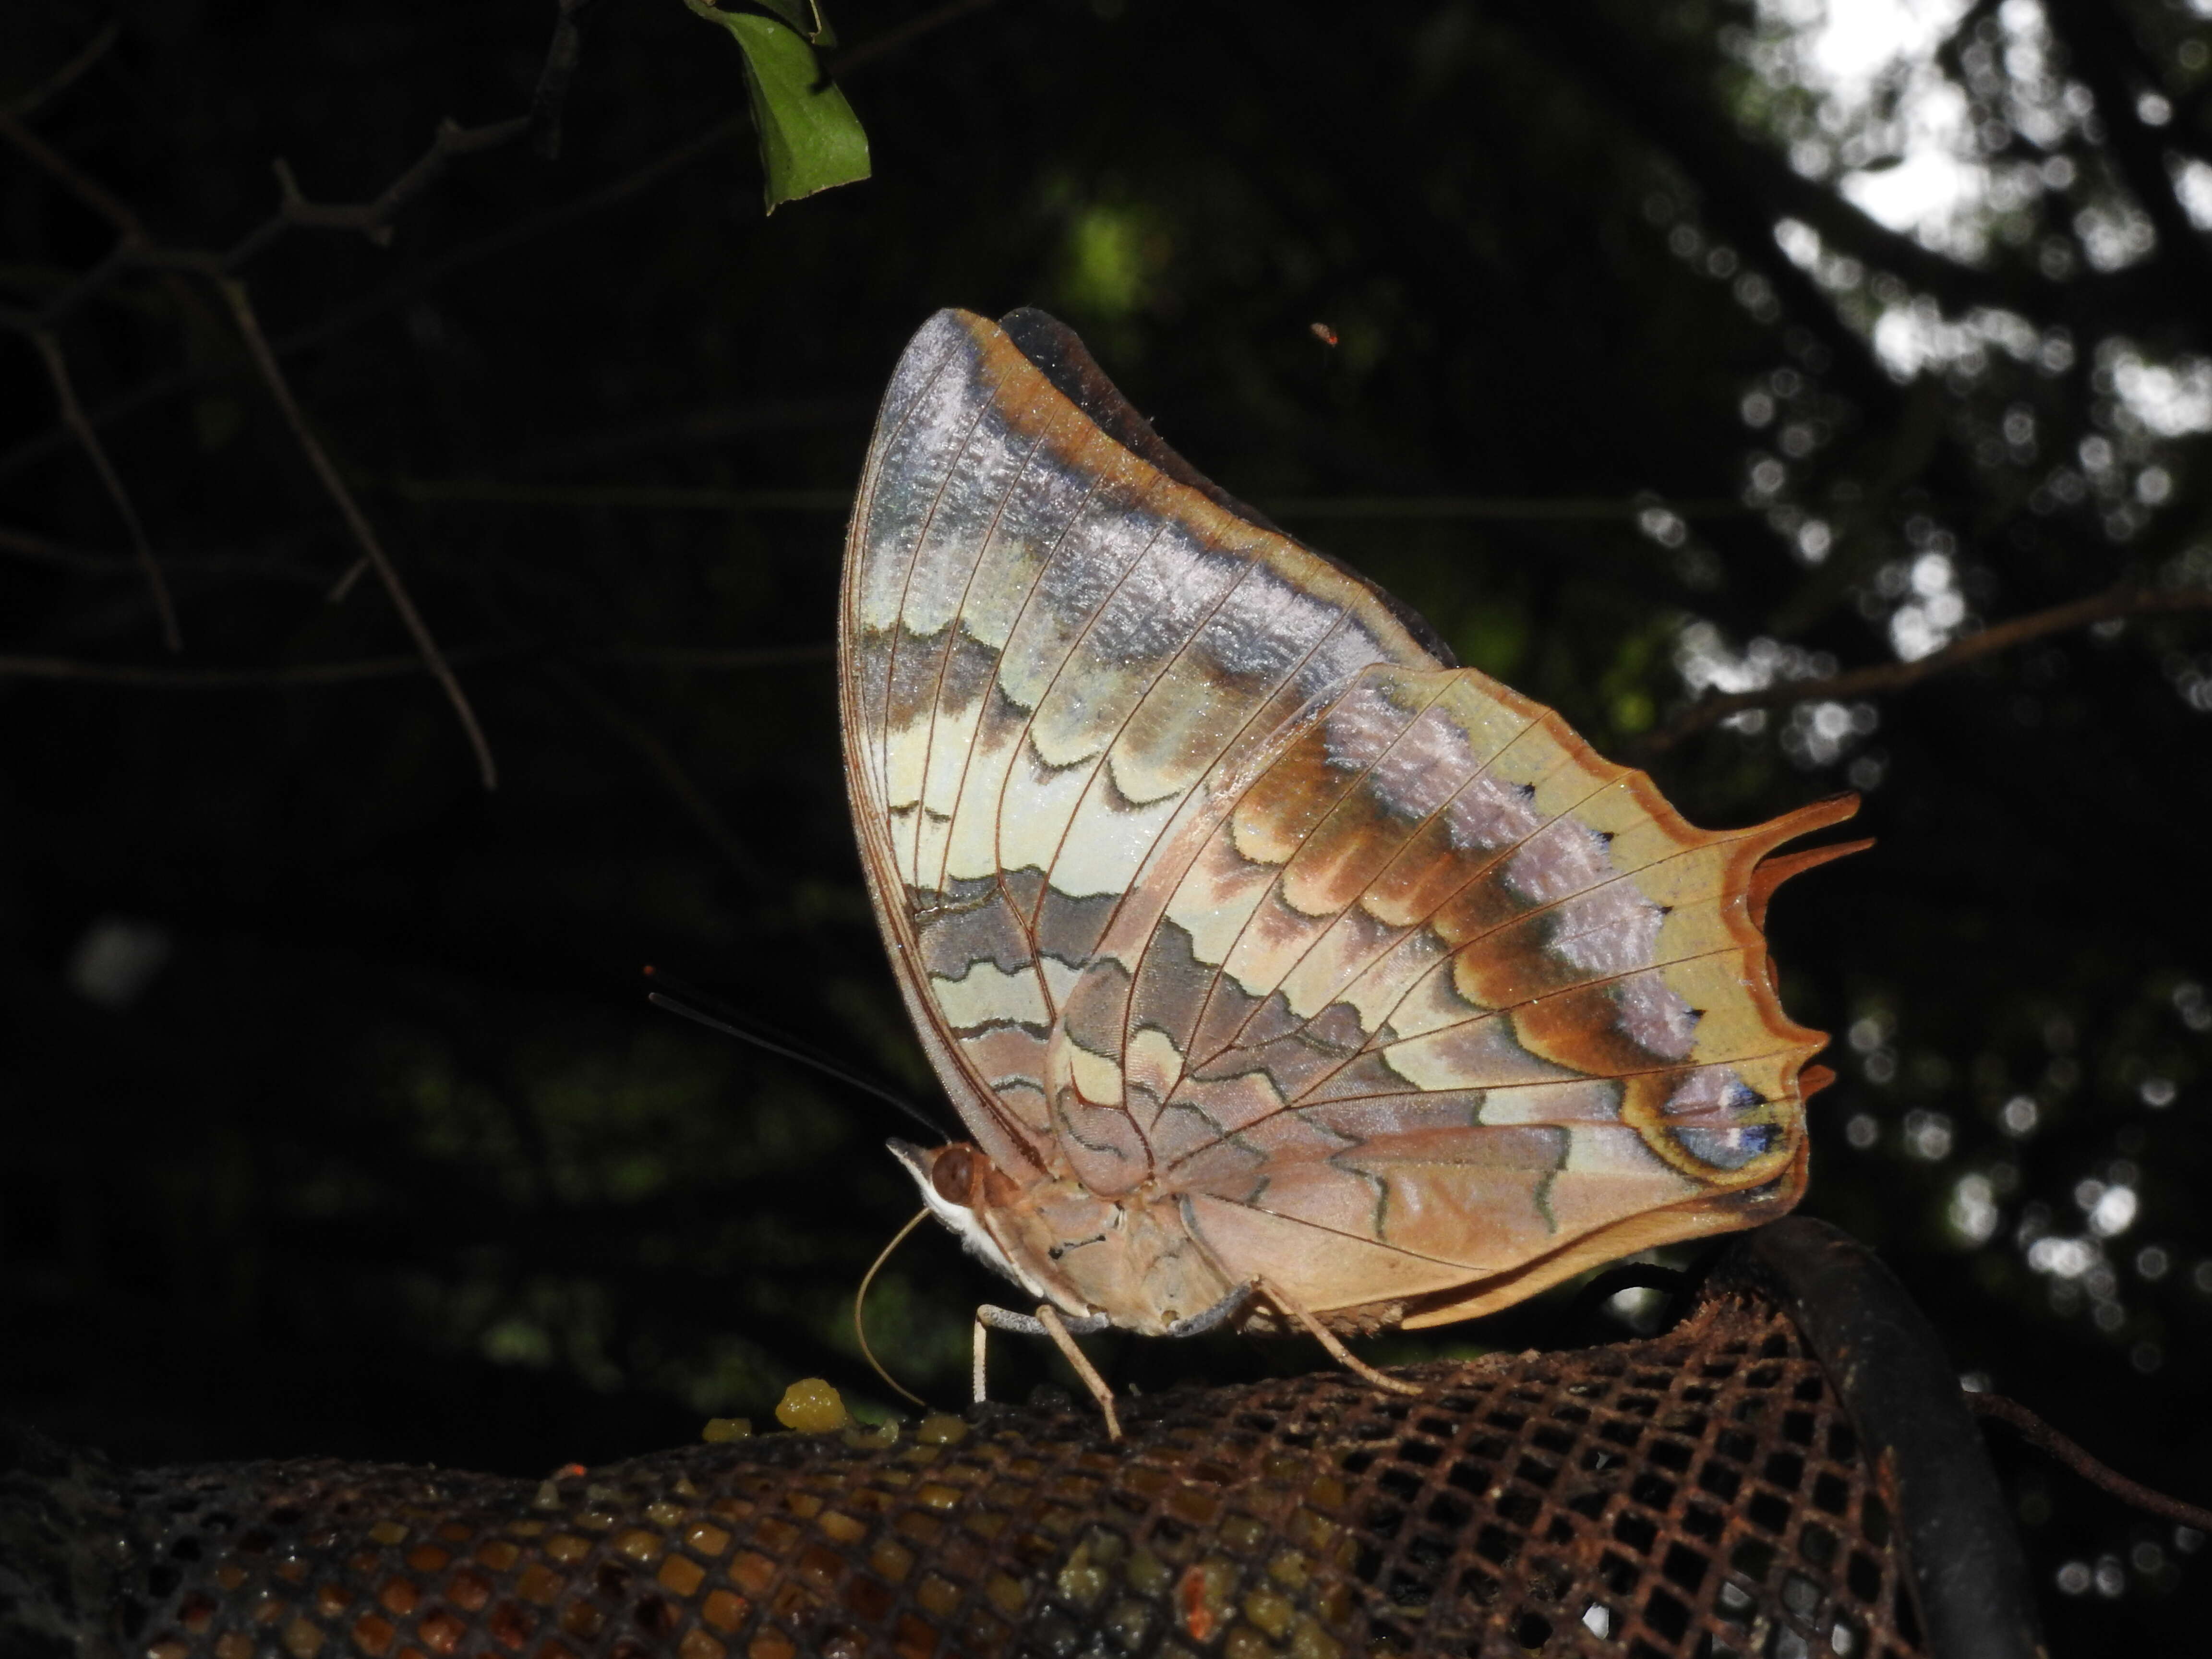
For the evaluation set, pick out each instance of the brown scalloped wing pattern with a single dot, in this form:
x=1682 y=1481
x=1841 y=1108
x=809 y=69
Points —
x=1203 y=877
x=1439 y=994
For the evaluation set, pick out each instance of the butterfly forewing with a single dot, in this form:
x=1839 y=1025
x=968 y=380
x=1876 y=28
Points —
x=1048 y=646
x=1209 y=881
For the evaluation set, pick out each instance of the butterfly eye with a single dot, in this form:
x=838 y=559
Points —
x=953 y=1175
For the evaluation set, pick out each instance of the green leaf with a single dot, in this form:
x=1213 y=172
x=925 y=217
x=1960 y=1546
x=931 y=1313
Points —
x=810 y=139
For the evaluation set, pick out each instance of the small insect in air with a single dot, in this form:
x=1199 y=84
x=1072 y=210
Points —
x=1285 y=974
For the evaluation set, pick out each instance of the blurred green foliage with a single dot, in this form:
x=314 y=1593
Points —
x=335 y=1119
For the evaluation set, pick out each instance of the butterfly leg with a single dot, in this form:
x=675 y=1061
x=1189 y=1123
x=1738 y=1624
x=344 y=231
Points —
x=1048 y=1316
x=1321 y=1334
x=1046 y=1321
x=1219 y=1314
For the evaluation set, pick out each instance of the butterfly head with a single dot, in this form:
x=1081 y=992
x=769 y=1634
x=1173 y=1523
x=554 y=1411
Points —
x=1132 y=1259
x=962 y=1187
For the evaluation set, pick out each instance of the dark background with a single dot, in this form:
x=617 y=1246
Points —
x=334 y=1119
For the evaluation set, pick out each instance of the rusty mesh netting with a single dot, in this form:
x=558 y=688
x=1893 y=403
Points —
x=1703 y=1492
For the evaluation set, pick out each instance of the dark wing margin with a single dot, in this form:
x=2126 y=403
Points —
x=1062 y=358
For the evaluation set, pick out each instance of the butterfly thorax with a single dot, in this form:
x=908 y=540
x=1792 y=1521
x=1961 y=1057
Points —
x=1130 y=1258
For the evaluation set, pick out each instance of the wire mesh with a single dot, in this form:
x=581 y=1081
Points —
x=1701 y=1493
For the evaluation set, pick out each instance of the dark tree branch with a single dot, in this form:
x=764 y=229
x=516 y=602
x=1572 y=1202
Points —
x=346 y=317
x=666 y=769
x=137 y=250
x=2040 y=1434
x=1846 y=225
x=2104 y=55
x=398 y=292
x=437 y=271
x=63 y=78
x=1732 y=198
x=1950 y=51
x=272 y=374
x=372 y=219
x=22 y=545
x=550 y=95
x=2195 y=108
x=1747 y=185
x=50 y=353
x=711 y=657
x=40 y=550
x=2156 y=75
x=1734 y=171
x=2126 y=600
x=79 y=183
x=896 y=39
x=150 y=676
x=207 y=679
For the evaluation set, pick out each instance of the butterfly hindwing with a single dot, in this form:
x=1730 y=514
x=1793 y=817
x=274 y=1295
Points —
x=1438 y=978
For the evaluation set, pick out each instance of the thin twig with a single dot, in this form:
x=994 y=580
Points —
x=40 y=550
x=257 y=344
x=63 y=78
x=150 y=677
x=2127 y=600
x=401 y=290
x=344 y=585
x=372 y=219
x=1566 y=509
x=129 y=258
x=2039 y=1433
x=891 y=41
x=50 y=353
x=433 y=272
x=80 y=183
x=712 y=657
x=551 y=92
x=664 y=497
x=666 y=768
x=206 y=679
x=2101 y=49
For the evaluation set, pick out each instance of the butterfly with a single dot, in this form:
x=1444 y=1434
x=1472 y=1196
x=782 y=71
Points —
x=1284 y=973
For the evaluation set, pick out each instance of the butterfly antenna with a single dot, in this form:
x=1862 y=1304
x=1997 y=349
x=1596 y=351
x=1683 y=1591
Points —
x=859 y=1301
x=731 y=1023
